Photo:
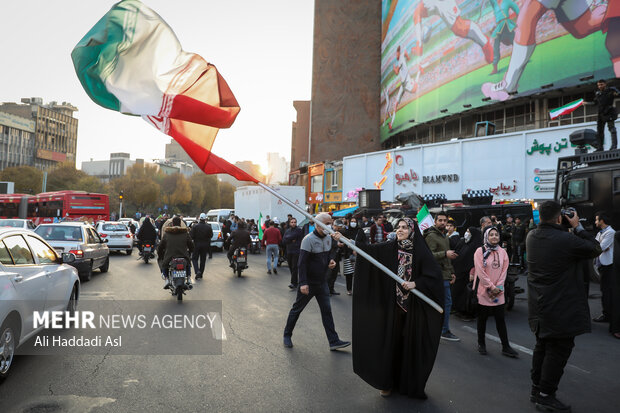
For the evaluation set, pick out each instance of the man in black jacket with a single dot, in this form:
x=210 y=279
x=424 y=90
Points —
x=201 y=233
x=292 y=240
x=557 y=299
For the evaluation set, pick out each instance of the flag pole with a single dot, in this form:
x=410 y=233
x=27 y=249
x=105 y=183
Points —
x=352 y=245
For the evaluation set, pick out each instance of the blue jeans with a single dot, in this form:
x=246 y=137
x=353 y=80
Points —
x=321 y=293
x=448 y=307
x=272 y=250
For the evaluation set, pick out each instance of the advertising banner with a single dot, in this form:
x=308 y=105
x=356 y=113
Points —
x=440 y=57
x=520 y=165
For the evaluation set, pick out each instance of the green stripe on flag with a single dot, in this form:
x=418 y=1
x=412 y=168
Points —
x=96 y=54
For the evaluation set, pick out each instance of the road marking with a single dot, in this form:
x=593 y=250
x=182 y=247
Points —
x=219 y=333
x=518 y=347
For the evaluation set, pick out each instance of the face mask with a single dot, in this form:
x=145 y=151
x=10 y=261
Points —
x=467 y=236
x=353 y=224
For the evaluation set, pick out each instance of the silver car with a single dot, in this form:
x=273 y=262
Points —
x=90 y=250
x=217 y=240
x=32 y=278
x=117 y=234
x=17 y=223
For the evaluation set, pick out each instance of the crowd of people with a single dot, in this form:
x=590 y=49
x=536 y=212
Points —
x=464 y=273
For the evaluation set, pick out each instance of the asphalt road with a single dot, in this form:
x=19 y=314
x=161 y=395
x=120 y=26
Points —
x=256 y=373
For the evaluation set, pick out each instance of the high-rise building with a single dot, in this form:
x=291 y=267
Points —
x=55 y=130
x=278 y=168
x=175 y=152
x=16 y=141
x=300 y=133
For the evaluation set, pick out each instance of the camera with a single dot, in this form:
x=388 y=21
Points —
x=567 y=213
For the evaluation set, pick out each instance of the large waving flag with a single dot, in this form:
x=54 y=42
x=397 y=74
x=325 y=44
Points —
x=132 y=62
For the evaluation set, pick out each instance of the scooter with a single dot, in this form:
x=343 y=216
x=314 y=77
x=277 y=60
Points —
x=239 y=260
x=147 y=252
x=255 y=245
x=178 y=281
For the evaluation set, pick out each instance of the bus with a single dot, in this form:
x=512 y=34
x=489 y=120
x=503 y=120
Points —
x=13 y=205
x=68 y=206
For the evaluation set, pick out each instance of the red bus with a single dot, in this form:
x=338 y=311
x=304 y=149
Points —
x=68 y=206
x=10 y=205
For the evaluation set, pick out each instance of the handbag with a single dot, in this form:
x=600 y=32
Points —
x=471 y=303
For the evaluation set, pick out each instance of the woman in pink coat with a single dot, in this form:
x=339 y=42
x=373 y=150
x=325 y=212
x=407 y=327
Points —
x=491 y=265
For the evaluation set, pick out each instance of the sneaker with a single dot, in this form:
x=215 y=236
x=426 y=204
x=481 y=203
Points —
x=385 y=393
x=549 y=403
x=275 y=271
x=510 y=352
x=339 y=344
x=334 y=292
x=482 y=349
x=167 y=285
x=449 y=336
x=292 y=286
x=496 y=91
x=601 y=319
x=349 y=292
x=288 y=343
x=268 y=271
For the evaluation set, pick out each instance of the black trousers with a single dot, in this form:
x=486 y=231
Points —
x=292 y=260
x=600 y=130
x=548 y=362
x=321 y=293
x=484 y=311
x=332 y=274
x=200 y=253
x=607 y=273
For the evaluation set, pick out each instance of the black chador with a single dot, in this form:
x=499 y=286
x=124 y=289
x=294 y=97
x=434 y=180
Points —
x=395 y=334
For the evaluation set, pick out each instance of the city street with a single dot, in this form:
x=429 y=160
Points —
x=256 y=373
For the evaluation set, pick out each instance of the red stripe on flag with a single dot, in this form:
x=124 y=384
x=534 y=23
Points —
x=206 y=160
x=208 y=101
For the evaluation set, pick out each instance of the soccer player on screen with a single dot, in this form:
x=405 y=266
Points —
x=574 y=15
x=450 y=13
x=406 y=83
x=611 y=26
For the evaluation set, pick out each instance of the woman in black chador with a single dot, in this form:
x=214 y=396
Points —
x=395 y=334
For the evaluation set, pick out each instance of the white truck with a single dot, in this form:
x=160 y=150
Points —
x=251 y=201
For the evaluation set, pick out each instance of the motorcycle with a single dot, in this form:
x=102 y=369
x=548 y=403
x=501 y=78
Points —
x=255 y=245
x=147 y=252
x=239 y=261
x=177 y=278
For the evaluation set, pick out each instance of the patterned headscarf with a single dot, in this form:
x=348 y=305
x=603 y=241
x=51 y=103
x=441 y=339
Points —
x=488 y=247
x=405 y=263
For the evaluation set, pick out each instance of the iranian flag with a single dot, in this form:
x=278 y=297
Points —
x=425 y=219
x=566 y=109
x=132 y=62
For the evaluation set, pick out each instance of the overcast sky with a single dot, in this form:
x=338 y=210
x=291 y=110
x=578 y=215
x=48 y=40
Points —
x=262 y=48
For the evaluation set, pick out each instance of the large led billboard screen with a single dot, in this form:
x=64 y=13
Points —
x=440 y=57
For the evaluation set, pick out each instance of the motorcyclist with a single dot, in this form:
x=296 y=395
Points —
x=238 y=239
x=175 y=243
x=146 y=234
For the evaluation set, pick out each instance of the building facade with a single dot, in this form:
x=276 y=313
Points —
x=300 y=134
x=55 y=130
x=17 y=137
x=512 y=166
x=346 y=77
x=176 y=153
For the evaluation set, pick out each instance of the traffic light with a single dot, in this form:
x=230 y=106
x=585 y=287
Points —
x=120 y=196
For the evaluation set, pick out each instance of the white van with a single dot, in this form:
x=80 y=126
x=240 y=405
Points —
x=219 y=215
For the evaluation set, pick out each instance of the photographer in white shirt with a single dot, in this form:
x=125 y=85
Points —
x=604 y=263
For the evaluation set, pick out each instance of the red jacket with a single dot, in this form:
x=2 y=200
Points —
x=272 y=235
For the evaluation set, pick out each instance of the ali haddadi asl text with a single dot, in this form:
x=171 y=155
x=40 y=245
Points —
x=97 y=341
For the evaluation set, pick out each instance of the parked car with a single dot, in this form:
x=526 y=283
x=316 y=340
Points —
x=81 y=239
x=189 y=221
x=17 y=223
x=217 y=241
x=118 y=235
x=32 y=278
